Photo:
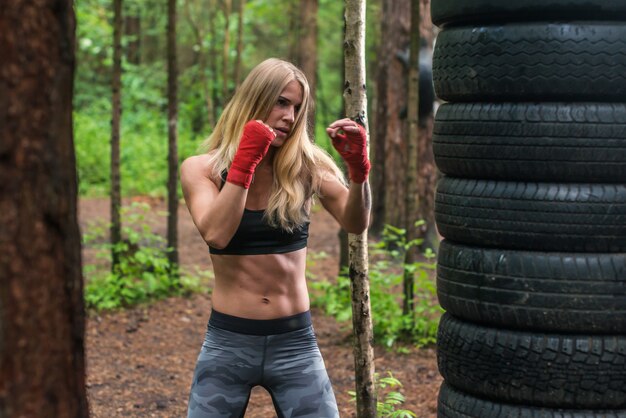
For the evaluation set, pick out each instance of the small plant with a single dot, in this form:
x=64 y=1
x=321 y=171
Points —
x=386 y=276
x=388 y=398
x=144 y=272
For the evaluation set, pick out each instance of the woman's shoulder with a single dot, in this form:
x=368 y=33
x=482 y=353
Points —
x=198 y=165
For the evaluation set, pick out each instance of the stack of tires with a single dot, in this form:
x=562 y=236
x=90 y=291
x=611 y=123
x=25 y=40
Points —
x=532 y=206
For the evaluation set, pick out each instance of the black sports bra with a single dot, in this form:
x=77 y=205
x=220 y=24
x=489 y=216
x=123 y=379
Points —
x=255 y=236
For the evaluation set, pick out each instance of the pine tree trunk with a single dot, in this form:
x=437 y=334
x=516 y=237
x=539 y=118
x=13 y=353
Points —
x=199 y=35
x=427 y=175
x=42 y=318
x=411 y=202
x=116 y=193
x=237 y=69
x=226 y=49
x=294 y=30
x=307 y=52
x=172 y=156
x=390 y=139
x=356 y=108
x=213 y=54
x=132 y=29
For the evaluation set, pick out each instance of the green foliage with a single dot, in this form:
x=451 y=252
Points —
x=144 y=272
x=388 y=398
x=386 y=274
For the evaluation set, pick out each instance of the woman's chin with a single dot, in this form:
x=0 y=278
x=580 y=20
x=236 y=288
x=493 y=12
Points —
x=279 y=140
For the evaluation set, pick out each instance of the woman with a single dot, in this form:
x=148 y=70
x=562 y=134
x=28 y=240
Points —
x=250 y=198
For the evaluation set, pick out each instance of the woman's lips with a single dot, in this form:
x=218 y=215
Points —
x=281 y=131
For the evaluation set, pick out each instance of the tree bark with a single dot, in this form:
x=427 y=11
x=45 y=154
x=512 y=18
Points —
x=226 y=49
x=172 y=156
x=307 y=52
x=132 y=29
x=410 y=193
x=294 y=30
x=213 y=68
x=42 y=318
x=427 y=174
x=116 y=192
x=356 y=108
x=237 y=69
x=390 y=139
x=202 y=58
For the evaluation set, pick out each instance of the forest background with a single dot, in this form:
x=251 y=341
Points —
x=218 y=42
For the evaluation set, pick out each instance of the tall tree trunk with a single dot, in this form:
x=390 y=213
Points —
x=307 y=51
x=213 y=53
x=237 y=69
x=116 y=192
x=427 y=170
x=199 y=35
x=226 y=49
x=172 y=156
x=390 y=139
x=356 y=108
x=410 y=194
x=132 y=29
x=42 y=318
x=294 y=30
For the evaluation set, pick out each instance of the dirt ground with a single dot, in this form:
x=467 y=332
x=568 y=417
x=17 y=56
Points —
x=140 y=361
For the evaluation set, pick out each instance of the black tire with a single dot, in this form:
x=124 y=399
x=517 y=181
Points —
x=538 y=369
x=452 y=403
x=557 y=292
x=454 y=12
x=569 y=142
x=531 y=62
x=566 y=217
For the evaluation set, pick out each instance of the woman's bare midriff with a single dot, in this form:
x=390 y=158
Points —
x=265 y=286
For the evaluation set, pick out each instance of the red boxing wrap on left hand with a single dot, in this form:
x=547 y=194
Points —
x=353 y=149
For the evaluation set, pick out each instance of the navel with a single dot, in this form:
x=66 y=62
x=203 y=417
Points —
x=266 y=301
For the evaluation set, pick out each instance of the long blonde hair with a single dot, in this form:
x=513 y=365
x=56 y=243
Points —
x=299 y=165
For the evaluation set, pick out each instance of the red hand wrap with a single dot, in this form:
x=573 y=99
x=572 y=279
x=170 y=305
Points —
x=254 y=143
x=353 y=149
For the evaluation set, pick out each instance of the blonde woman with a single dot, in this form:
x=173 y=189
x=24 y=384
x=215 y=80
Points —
x=250 y=197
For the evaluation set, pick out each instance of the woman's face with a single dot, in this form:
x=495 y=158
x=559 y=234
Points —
x=284 y=112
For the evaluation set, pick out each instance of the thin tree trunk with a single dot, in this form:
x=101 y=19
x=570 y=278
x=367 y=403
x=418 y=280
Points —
x=116 y=193
x=237 y=69
x=172 y=156
x=213 y=53
x=42 y=318
x=390 y=138
x=410 y=194
x=226 y=49
x=307 y=52
x=356 y=108
x=427 y=170
x=132 y=29
x=202 y=60
x=294 y=30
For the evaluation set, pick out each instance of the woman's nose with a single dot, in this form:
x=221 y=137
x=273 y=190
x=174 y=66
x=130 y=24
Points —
x=289 y=114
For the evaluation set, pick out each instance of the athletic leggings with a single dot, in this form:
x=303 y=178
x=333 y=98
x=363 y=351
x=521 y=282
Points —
x=280 y=355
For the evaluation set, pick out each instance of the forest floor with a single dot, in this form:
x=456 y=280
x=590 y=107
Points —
x=140 y=361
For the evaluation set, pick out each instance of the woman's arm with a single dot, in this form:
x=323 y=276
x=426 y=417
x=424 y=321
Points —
x=215 y=213
x=349 y=206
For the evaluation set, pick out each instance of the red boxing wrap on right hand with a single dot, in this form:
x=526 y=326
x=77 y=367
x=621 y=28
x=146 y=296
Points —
x=254 y=143
x=353 y=149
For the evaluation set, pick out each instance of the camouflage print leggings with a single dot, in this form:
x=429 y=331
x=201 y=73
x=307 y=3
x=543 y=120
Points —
x=287 y=364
